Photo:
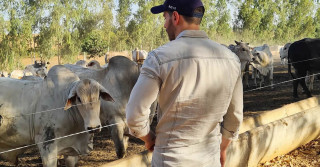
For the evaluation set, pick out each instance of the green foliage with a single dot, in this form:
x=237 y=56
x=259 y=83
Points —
x=317 y=23
x=209 y=20
x=65 y=28
x=94 y=45
x=223 y=29
x=145 y=29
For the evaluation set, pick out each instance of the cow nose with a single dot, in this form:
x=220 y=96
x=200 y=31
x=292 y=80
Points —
x=92 y=130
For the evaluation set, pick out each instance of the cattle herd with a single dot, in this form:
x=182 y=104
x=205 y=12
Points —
x=60 y=111
x=303 y=55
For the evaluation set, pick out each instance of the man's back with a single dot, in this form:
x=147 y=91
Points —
x=198 y=86
x=198 y=77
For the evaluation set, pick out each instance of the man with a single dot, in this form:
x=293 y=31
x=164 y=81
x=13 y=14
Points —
x=199 y=90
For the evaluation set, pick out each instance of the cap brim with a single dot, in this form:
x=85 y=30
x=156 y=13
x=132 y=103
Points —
x=157 y=9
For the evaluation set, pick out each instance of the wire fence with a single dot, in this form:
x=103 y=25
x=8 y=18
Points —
x=105 y=126
x=273 y=67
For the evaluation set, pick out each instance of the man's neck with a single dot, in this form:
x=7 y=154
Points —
x=186 y=27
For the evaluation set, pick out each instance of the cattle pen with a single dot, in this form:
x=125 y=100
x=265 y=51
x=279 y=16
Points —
x=260 y=106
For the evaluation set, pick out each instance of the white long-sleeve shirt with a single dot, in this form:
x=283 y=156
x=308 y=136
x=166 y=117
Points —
x=200 y=97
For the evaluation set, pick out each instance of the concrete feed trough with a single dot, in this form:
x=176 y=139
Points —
x=263 y=137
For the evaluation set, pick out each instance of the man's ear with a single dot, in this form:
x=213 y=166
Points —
x=175 y=17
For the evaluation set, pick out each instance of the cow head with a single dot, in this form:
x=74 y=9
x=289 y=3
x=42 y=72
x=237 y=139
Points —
x=81 y=63
x=85 y=95
x=41 y=72
x=260 y=58
x=242 y=50
x=94 y=64
x=139 y=55
x=284 y=53
x=39 y=68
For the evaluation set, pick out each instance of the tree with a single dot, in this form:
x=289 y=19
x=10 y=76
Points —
x=266 y=29
x=282 y=29
x=317 y=23
x=249 y=20
x=145 y=28
x=209 y=20
x=94 y=45
x=223 y=29
x=13 y=46
x=107 y=18
x=300 y=19
x=123 y=14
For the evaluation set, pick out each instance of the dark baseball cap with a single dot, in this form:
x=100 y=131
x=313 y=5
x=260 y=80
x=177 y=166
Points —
x=183 y=7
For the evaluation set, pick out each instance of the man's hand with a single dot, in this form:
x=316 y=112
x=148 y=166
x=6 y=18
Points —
x=223 y=150
x=149 y=140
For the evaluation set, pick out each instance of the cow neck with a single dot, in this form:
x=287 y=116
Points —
x=75 y=117
x=137 y=55
x=32 y=120
x=32 y=128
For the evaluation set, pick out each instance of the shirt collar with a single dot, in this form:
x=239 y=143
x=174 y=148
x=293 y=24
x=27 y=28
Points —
x=193 y=34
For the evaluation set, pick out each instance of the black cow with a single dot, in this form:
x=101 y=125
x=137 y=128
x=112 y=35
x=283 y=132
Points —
x=304 y=55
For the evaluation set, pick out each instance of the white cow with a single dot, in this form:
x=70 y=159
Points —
x=18 y=74
x=284 y=53
x=4 y=74
x=262 y=63
x=242 y=50
x=81 y=63
x=41 y=111
x=94 y=64
x=32 y=78
x=139 y=56
x=119 y=78
x=39 y=68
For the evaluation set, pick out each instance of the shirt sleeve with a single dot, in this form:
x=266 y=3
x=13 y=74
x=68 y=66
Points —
x=143 y=94
x=234 y=116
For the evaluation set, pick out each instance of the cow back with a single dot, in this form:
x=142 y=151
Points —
x=305 y=54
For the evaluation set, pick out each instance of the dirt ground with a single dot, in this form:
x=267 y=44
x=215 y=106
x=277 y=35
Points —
x=256 y=100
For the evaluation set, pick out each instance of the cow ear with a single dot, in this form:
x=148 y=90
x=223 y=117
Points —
x=238 y=43
x=70 y=103
x=71 y=98
x=105 y=95
x=90 y=64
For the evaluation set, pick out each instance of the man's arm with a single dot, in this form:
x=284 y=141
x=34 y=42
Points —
x=232 y=120
x=143 y=94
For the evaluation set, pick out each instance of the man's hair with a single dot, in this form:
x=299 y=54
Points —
x=193 y=20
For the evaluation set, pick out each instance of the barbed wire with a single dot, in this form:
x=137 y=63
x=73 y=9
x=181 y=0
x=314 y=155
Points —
x=280 y=83
x=282 y=65
x=103 y=68
x=40 y=112
x=27 y=146
x=62 y=137
x=58 y=138
x=59 y=108
x=66 y=136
